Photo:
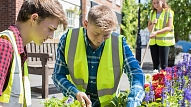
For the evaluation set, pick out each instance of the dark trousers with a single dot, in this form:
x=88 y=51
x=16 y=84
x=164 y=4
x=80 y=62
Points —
x=159 y=56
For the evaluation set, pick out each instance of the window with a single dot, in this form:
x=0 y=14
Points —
x=118 y=2
x=70 y=17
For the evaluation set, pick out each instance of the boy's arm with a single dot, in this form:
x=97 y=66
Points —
x=61 y=70
x=135 y=75
x=5 y=59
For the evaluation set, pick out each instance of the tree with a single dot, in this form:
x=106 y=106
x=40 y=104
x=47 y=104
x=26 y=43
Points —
x=145 y=9
x=182 y=18
x=129 y=21
x=129 y=24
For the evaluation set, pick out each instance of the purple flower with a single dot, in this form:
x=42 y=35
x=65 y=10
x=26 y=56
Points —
x=69 y=100
x=187 y=94
x=147 y=97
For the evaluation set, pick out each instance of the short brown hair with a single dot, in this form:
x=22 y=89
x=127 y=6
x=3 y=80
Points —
x=103 y=17
x=44 y=8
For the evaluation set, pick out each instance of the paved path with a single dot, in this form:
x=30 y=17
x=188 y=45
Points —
x=124 y=84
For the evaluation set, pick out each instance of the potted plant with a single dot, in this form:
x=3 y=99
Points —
x=64 y=102
x=174 y=51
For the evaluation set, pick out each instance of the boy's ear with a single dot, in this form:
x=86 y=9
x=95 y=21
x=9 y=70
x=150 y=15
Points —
x=85 y=23
x=34 y=17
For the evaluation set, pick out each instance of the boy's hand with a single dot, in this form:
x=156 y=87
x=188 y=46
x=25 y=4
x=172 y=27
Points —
x=83 y=99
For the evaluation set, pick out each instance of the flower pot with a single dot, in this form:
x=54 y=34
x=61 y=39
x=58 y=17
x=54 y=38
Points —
x=171 y=62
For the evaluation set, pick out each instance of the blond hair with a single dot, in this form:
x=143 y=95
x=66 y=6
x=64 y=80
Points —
x=103 y=17
x=44 y=9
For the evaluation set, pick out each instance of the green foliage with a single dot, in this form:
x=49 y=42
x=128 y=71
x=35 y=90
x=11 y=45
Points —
x=145 y=11
x=75 y=10
x=182 y=18
x=119 y=101
x=129 y=21
x=64 y=102
x=129 y=24
x=53 y=102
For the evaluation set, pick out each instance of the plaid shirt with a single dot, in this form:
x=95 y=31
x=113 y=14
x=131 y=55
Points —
x=131 y=68
x=6 y=52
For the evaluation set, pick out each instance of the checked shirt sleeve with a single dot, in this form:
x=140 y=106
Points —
x=61 y=70
x=135 y=75
x=5 y=59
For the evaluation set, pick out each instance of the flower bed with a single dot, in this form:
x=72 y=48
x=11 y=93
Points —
x=169 y=88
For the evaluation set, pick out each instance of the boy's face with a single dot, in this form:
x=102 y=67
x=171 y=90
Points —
x=40 y=32
x=96 y=35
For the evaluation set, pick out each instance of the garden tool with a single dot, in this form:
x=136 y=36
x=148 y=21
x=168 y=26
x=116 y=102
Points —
x=147 y=46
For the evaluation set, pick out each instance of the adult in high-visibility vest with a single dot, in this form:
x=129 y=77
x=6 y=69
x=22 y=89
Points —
x=91 y=59
x=163 y=35
x=36 y=21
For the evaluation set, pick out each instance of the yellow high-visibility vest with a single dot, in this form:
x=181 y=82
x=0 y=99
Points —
x=164 y=39
x=17 y=92
x=110 y=65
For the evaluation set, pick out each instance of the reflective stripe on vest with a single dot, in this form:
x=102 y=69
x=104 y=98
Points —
x=74 y=52
x=164 y=39
x=13 y=95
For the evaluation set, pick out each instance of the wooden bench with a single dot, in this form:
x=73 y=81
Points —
x=41 y=60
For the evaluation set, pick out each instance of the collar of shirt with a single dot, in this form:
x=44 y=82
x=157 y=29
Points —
x=19 y=41
x=87 y=41
x=21 y=49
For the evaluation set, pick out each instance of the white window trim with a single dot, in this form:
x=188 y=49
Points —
x=70 y=19
x=118 y=2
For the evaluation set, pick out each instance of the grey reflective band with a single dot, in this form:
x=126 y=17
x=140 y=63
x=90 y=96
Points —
x=71 y=56
x=164 y=38
x=172 y=30
x=116 y=66
x=164 y=21
x=15 y=92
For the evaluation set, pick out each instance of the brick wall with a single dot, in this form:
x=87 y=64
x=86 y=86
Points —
x=84 y=9
x=8 y=12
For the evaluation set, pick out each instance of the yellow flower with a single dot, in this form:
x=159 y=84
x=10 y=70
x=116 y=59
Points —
x=148 y=78
x=147 y=89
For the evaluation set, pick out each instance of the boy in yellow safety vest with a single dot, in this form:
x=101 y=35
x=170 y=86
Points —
x=37 y=20
x=91 y=60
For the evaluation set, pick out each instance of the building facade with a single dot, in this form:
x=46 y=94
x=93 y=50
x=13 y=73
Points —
x=76 y=12
x=116 y=5
x=72 y=9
